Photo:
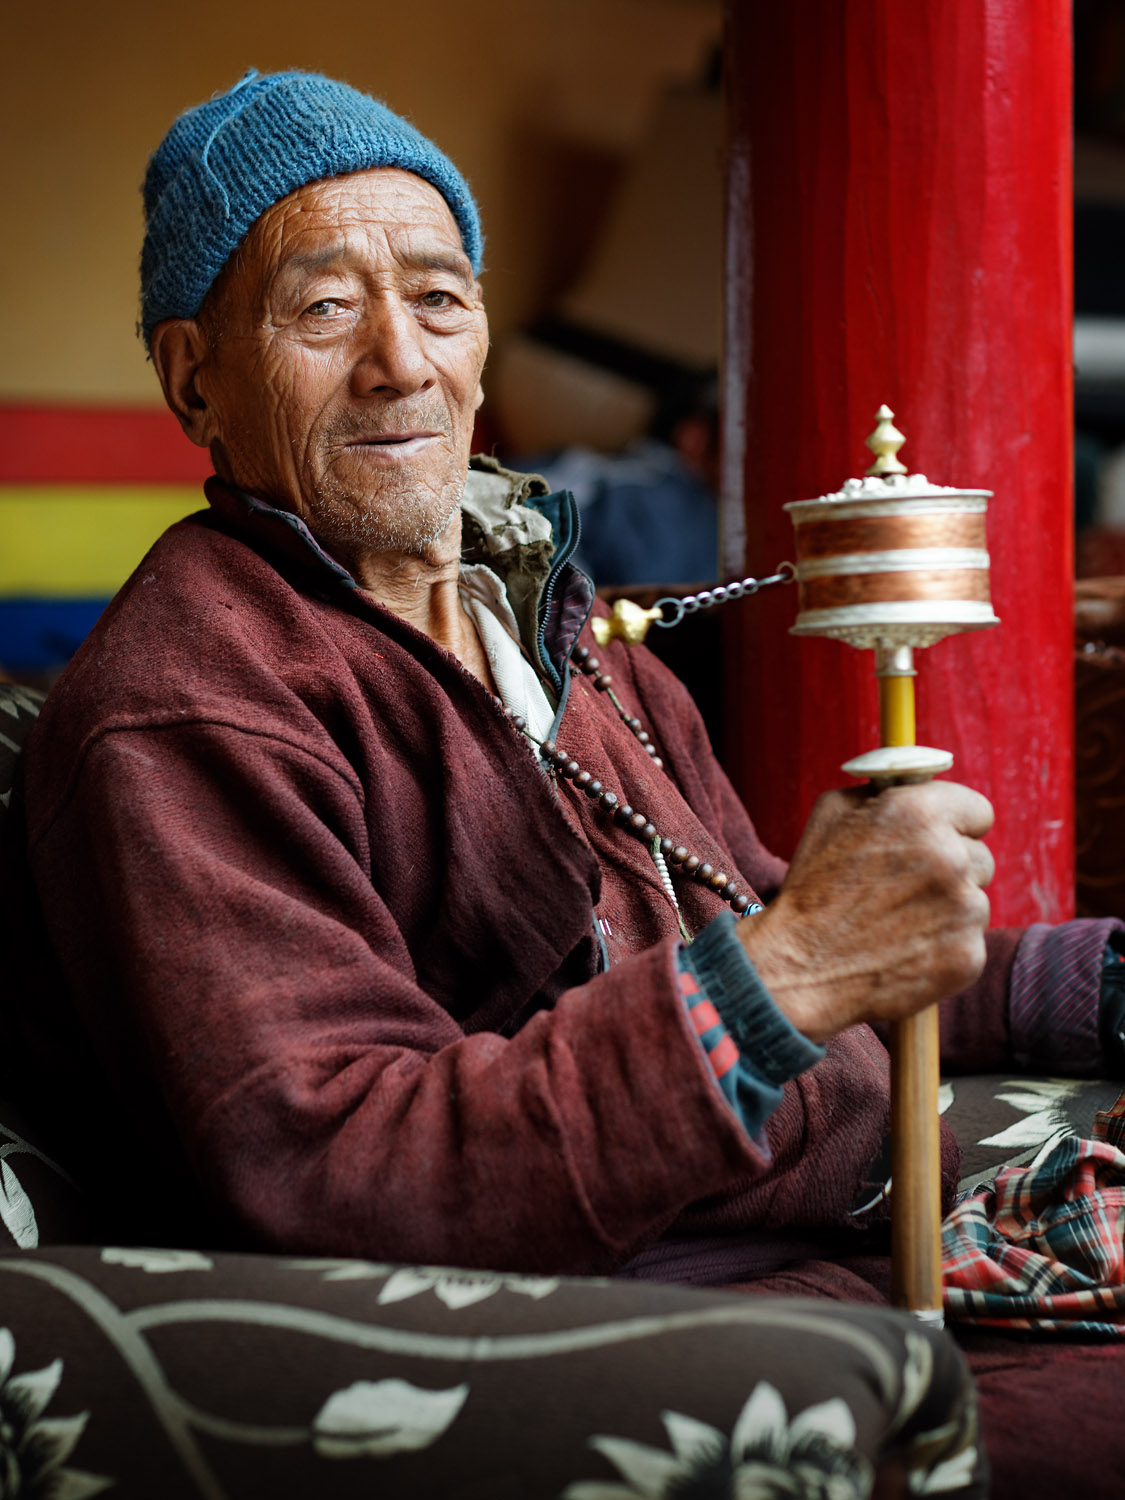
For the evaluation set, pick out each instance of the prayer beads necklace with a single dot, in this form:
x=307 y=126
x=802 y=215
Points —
x=664 y=850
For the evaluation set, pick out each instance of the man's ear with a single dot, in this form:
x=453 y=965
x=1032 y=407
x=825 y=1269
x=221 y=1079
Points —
x=479 y=401
x=179 y=348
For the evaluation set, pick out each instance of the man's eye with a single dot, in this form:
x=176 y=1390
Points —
x=325 y=308
x=436 y=300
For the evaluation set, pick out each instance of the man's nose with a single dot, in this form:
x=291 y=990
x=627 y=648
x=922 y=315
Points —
x=392 y=356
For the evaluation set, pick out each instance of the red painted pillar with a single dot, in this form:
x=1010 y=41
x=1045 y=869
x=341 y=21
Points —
x=899 y=231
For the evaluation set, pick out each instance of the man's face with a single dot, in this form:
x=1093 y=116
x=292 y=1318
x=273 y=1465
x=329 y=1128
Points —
x=346 y=340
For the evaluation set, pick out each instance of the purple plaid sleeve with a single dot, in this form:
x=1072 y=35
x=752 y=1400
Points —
x=1054 y=996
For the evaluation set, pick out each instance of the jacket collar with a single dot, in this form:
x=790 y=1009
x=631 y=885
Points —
x=511 y=521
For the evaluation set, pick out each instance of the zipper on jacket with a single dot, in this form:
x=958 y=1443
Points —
x=562 y=512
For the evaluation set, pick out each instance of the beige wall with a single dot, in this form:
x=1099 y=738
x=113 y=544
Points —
x=508 y=88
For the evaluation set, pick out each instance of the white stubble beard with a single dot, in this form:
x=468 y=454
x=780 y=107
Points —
x=408 y=520
x=402 y=511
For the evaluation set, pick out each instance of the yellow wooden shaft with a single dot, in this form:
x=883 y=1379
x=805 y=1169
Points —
x=896 y=710
x=915 y=1076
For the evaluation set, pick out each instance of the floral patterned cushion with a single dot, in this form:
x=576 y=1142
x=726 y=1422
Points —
x=19 y=708
x=145 y=1373
x=1008 y=1119
x=40 y=1202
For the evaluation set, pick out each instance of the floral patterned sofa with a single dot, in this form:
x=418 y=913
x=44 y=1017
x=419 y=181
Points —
x=156 y=1373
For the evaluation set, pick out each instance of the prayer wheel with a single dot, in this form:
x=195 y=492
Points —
x=891 y=563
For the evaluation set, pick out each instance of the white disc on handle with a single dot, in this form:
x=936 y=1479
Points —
x=901 y=763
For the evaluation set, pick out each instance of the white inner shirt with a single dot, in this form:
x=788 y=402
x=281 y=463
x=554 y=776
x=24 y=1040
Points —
x=521 y=689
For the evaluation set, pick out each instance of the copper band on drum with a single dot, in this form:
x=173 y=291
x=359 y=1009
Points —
x=883 y=588
x=889 y=533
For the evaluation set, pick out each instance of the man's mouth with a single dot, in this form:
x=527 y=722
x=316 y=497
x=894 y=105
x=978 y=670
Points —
x=400 y=444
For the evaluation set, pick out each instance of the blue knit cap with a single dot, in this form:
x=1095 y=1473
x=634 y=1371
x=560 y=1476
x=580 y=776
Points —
x=224 y=162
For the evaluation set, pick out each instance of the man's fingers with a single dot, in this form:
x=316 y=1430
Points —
x=968 y=811
x=975 y=816
x=982 y=866
x=971 y=816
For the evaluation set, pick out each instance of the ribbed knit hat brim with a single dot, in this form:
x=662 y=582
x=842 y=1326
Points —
x=224 y=162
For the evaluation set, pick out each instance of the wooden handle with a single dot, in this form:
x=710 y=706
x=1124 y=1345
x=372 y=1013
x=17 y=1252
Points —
x=916 y=1165
x=915 y=1043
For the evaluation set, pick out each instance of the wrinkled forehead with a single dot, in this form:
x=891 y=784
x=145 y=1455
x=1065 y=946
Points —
x=378 y=218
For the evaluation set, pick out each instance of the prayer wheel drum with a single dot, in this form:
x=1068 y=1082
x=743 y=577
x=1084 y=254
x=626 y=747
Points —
x=892 y=561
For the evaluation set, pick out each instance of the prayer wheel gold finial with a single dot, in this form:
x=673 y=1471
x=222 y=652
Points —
x=885 y=442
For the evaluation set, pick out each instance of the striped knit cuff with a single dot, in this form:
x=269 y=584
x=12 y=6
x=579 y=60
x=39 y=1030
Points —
x=1054 y=996
x=751 y=1047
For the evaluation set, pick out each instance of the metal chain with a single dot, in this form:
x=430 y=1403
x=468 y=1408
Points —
x=722 y=593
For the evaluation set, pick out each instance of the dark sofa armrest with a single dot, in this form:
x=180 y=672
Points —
x=237 y=1376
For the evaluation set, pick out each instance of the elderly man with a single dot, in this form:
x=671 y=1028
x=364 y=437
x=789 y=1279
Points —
x=403 y=926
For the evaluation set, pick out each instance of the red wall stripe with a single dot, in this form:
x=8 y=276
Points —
x=106 y=445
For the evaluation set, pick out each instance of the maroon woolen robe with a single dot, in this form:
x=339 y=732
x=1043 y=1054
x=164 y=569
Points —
x=326 y=929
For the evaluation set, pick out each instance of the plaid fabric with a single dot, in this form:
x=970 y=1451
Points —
x=1042 y=1247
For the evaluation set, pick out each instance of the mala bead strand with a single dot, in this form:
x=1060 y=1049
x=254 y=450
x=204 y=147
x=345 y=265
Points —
x=641 y=827
x=630 y=819
x=603 y=682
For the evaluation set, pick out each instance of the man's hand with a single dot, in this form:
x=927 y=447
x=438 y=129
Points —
x=882 y=911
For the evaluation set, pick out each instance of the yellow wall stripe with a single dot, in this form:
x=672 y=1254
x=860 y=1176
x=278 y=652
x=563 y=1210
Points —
x=83 y=540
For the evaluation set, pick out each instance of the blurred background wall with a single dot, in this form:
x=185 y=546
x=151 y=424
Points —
x=540 y=103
